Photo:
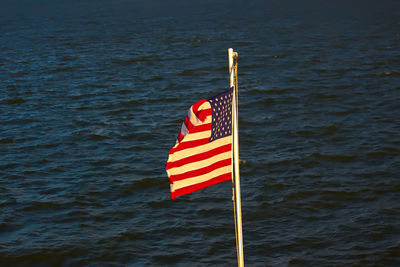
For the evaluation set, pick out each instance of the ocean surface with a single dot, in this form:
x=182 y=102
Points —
x=92 y=97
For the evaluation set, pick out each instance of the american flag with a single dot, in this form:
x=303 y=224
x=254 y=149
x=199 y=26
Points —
x=202 y=155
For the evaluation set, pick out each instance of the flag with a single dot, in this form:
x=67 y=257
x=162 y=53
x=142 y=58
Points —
x=202 y=155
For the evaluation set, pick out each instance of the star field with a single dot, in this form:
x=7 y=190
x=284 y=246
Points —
x=221 y=115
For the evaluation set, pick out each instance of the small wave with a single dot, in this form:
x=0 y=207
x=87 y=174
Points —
x=96 y=85
x=387 y=73
x=53 y=256
x=13 y=101
x=336 y=195
x=7 y=140
x=277 y=163
x=6 y=202
x=123 y=91
x=43 y=205
x=61 y=69
x=102 y=162
x=266 y=91
x=154 y=79
x=348 y=111
x=335 y=158
x=280 y=56
x=250 y=67
x=187 y=73
x=138 y=60
x=300 y=194
x=278 y=186
x=380 y=154
x=8 y=165
x=84 y=95
x=327 y=96
x=132 y=103
x=320 y=70
x=129 y=136
x=143 y=184
x=97 y=137
x=131 y=235
x=380 y=74
x=161 y=100
x=18 y=74
x=329 y=129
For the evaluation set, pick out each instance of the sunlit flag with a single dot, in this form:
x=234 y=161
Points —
x=202 y=155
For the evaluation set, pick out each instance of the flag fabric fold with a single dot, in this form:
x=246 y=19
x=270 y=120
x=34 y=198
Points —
x=202 y=155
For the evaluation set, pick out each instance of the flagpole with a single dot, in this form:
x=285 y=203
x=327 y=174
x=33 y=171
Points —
x=237 y=198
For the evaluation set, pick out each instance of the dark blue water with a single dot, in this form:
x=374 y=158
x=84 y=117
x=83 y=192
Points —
x=92 y=97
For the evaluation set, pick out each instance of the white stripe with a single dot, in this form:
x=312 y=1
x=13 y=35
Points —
x=178 y=155
x=199 y=179
x=196 y=136
x=200 y=164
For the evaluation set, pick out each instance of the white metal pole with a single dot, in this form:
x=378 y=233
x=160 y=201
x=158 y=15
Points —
x=236 y=161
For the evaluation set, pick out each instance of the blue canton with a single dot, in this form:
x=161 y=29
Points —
x=221 y=105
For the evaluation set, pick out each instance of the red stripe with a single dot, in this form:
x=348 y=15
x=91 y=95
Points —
x=187 y=122
x=195 y=187
x=180 y=136
x=200 y=156
x=196 y=106
x=201 y=128
x=201 y=171
x=189 y=144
